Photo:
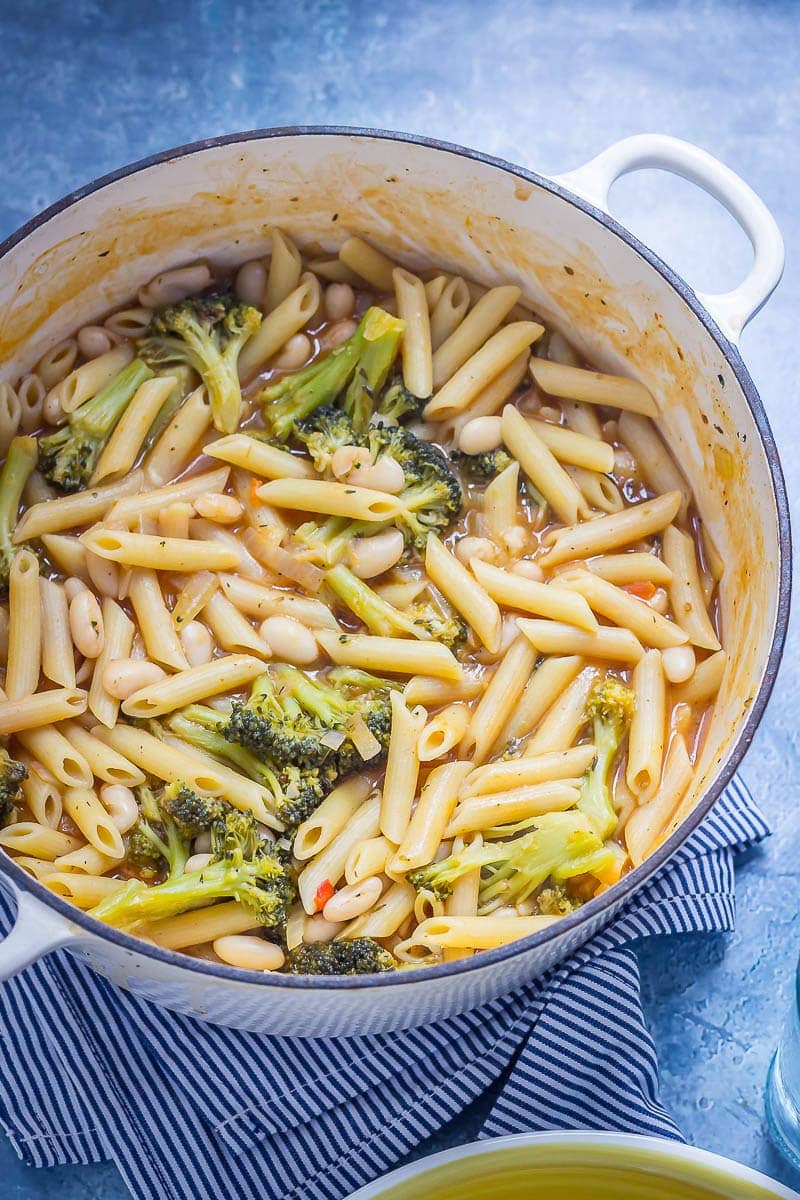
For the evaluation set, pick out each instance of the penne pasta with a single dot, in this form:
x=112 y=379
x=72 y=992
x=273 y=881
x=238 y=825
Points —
x=328 y=866
x=126 y=512
x=448 y=310
x=505 y=776
x=285 y=267
x=568 y=446
x=85 y=891
x=561 y=725
x=231 y=630
x=122 y=448
x=542 y=467
x=502 y=694
x=58 y=661
x=286 y=319
x=117 y=644
x=478 y=933
x=84 y=809
x=630 y=568
x=402 y=768
x=259 y=457
x=647 y=822
x=485 y=365
x=43 y=708
x=394 y=907
x=200 y=926
x=660 y=472
x=57 y=755
x=368 y=859
x=24 y=627
x=467 y=337
x=158 y=553
x=155 y=620
x=258 y=601
x=331 y=499
x=555 y=637
x=464 y=591
x=398 y=656
x=685 y=590
x=105 y=763
x=176 y=446
x=527 y=595
x=492 y=809
x=422 y=689
x=330 y=817
x=592 y=387
x=611 y=532
x=368 y=263
x=500 y=506
x=86 y=381
x=193 y=684
x=626 y=610
x=648 y=726
x=83 y=508
x=430 y=818
x=704 y=683
x=412 y=309
x=38 y=841
x=443 y=732
x=542 y=690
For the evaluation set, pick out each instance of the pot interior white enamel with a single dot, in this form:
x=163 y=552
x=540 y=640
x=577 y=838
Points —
x=426 y=203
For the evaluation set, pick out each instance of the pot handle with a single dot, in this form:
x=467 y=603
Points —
x=731 y=310
x=36 y=931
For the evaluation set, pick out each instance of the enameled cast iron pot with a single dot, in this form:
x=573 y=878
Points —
x=428 y=202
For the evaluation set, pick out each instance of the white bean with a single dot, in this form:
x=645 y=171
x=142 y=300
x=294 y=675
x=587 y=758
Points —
x=337 y=333
x=196 y=643
x=289 y=640
x=171 y=286
x=249 y=952
x=480 y=435
x=340 y=300
x=344 y=458
x=103 y=574
x=470 y=547
x=120 y=803
x=679 y=663
x=528 y=569
x=515 y=539
x=94 y=340
x=197 y=862
x=74 y=586
x=371 y=556
x=353 y=899
x=124 y=676
x=217 y=507
x=317 y=929
x=251 y=279
x=86 y=624
x=295 y=353
x=52 y=412
x=384 y=475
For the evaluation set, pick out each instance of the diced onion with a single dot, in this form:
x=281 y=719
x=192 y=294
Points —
x=363 y=738
x=333 y=739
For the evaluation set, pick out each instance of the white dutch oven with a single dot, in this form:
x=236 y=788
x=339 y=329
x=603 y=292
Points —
x=428 y=202
x=520 y=1168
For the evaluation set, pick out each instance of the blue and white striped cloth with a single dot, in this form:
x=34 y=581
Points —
x=185 y=1110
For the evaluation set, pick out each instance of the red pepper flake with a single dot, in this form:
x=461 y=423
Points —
x=643 y=588
x=323 y=895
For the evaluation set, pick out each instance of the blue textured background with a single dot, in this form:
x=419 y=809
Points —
x=87 y=87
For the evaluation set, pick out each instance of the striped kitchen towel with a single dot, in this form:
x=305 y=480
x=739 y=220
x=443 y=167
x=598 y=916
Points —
x=186 y=1111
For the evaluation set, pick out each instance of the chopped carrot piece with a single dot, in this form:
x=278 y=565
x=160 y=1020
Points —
x=323 y=895
x=643 y=588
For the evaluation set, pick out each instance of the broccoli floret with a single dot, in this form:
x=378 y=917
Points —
x=12 y=774
x=397 y=402
x=479 y=467
x=20 y=462
x=155 y=844
x=432 y=493
x=289 y=714
x=358 y=956
x=425 y=620
x=207 y=333
x=69 y=456
x=609 y=708
x=324 y=432
x=245 y=867
x=296 y=785
x=555 y=901
x=191 y=813
x=358 y=368
x=431 y=496
x=562 y=845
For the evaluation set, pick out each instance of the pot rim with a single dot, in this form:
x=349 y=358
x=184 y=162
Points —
x=624 y=889
x=679 y=1152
